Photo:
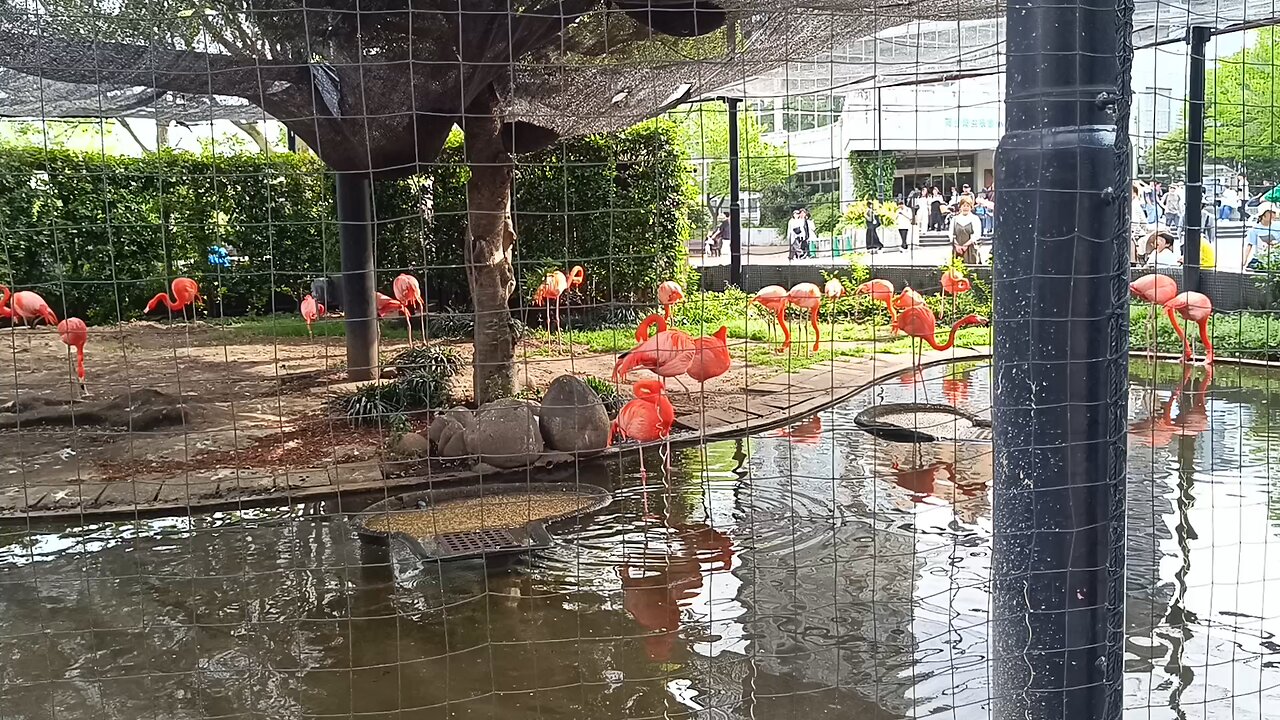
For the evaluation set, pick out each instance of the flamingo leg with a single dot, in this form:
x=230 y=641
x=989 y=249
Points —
x=31 y=364
x=559 y=334
x=817 y=333
x=786 y=330
x=422 y=319
x=1186 y=344
x=1208 y=344
x=408 y=324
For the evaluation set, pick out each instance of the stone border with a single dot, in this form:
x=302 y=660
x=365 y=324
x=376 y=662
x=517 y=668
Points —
x=765 y=405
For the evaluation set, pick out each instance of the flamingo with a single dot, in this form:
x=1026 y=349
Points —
x=185 y=292
x=75 y=333
x=407 y=291
x=647 y=418
x=577 y=276
x=311 y=311
x=1195 y=307
x=5 y=312
x=882 y=291
x=553 y=286
x=710 y=356
x=908 y=298
x=668 y=353
x=389 y=306
x=919 y=322
x=774 y=299
x=808 y=296
x=1156 y=289
x=954 y=282
x=30 y=308
x=669 y=293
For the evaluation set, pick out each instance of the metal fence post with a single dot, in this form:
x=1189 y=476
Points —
x=355 y=228
x=1061 y=266
x=735 y=199
x=1198 y=38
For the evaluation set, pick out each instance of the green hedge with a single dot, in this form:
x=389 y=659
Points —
x=99 y=235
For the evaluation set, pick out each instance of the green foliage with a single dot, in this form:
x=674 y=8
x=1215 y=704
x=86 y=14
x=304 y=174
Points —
x=609 y=395
x=704 y=130
x=1242 y=110
x=873 y=174
x=856 y=215
x=1168 y=156
x=99 y=235
x=1268 y=276
x=777 y=202
x=424 y=381
x=1236 y=335
x=825 y=209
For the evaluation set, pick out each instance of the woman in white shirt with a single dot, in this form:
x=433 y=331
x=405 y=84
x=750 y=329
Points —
x=1138 y=227
x=904 y=224
x=966 y=228
x=1160 y=252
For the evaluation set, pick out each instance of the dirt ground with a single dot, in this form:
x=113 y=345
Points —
x=252 y=402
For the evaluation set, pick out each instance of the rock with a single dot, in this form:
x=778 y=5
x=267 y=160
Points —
x=463 y=415
x=553 y=458
x=505 y=434
x=572 y=417
x=449 y=436
x=412 y=445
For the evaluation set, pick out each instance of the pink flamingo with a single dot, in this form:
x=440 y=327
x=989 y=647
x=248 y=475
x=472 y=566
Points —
x=30 y=308
x=710 y=357
x=185 y=292
x=1197 y=308
x=919 y=322
x=387 y=305
x=409 y=294
x=808 y=296
x=668 y=353
x=882 y=291
x=553 y=286
x=75 y=334
x=954 y=282
x=774 y=299
x=311 y=311
x=647 y=418
x=669 y=293
x=5 y=312
x=1156 y=289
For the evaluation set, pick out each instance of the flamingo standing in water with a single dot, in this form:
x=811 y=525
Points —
x=710 y=357
x=1197 y=308
x=669 y=293
x=185 y=292
x=808 y=296
x=75 y=334
x=30 y=308
x=387 y=305
x=668 y=353
x=919 y=322
x=774 y=299
x=311 y=311
x=882 y=291
x=1156 y=289
x=409 y=294
x=647 y=418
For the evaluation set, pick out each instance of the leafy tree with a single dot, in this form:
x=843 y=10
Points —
x=777 y=201
x=705 y=131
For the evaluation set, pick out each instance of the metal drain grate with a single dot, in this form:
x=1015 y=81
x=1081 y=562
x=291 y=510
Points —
x=480 y=541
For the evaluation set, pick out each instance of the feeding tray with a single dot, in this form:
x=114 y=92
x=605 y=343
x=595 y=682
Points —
x=477 y=521
x=923 y=423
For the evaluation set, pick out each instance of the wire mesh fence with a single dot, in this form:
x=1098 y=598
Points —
x=641 y=358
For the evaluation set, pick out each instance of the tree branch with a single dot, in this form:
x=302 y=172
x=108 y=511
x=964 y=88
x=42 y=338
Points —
x=255 y=134
x=124 y=123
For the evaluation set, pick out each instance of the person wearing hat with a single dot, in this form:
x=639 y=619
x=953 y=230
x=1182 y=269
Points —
x=1261 y=236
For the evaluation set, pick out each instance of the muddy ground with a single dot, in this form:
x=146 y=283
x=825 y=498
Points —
x=250 y=401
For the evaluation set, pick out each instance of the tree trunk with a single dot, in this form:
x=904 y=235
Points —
x=162 y=135
x=488 y=253
x=255 y=134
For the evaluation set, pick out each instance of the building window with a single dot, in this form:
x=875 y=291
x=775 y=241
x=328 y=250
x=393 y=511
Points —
x=811 y=111
x=820 y=181
x=763 y=110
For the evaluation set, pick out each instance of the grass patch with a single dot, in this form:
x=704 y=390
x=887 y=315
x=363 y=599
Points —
x=1245 y=335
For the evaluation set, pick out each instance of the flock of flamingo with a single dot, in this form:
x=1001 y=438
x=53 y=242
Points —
x=1162 y=291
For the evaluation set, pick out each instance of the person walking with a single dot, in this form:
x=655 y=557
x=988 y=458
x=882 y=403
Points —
x=904 y=225
x=1173 y=201
x=935 y=210
x=800 y=230
x=873 y=226
x=1229 y=200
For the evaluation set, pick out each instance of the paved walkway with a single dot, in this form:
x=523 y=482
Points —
x=771 y=403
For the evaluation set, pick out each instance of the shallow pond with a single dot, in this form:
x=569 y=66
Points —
x=812 y=572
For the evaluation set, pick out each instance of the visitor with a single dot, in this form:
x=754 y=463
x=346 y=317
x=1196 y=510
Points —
x=922 y=210
x=1229 y=200
x=1208 y=258
x=913 y=203
x=904 y=225
x=873 y=227
x=800 y=231
x=1139 y=229
x=1261 y=237
x=1242 y=190
x=966 y=228
x=935 y=210
x=1173 y=201
x=1207 y=222
x=720 y=235
x=1160 y=253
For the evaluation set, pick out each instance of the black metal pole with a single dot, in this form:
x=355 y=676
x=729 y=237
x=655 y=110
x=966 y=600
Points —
x=355 y=228
x=1198 y=38
x=291 y=141
x=1061 y=271
x=735 y=199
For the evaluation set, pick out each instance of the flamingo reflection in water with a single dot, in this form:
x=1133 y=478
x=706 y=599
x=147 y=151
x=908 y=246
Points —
x=1159 y=429
x=805 y=432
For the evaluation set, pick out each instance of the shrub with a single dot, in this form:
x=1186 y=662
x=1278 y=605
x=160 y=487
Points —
x=423 y=382
x=99 y=235
x=613 y=400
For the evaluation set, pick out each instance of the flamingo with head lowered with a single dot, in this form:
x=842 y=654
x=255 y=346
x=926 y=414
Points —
x=808 y=296
x=669 y=293
x=647 y=418
x=1156 y=289
x=774 y=298
x=75 y=334
x=409 y=294
x=919 y=322
x=668 y=353
x=29 y=308
x=386 y=305
x=710 y=356
x=882 y=291
x=1197 y=308
x=311 y=311
x=5 y=312
x=185 y=292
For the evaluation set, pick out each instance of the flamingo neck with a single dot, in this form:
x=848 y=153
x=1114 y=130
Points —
x=782 y=320
x=950 y=342
x=80 y=361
